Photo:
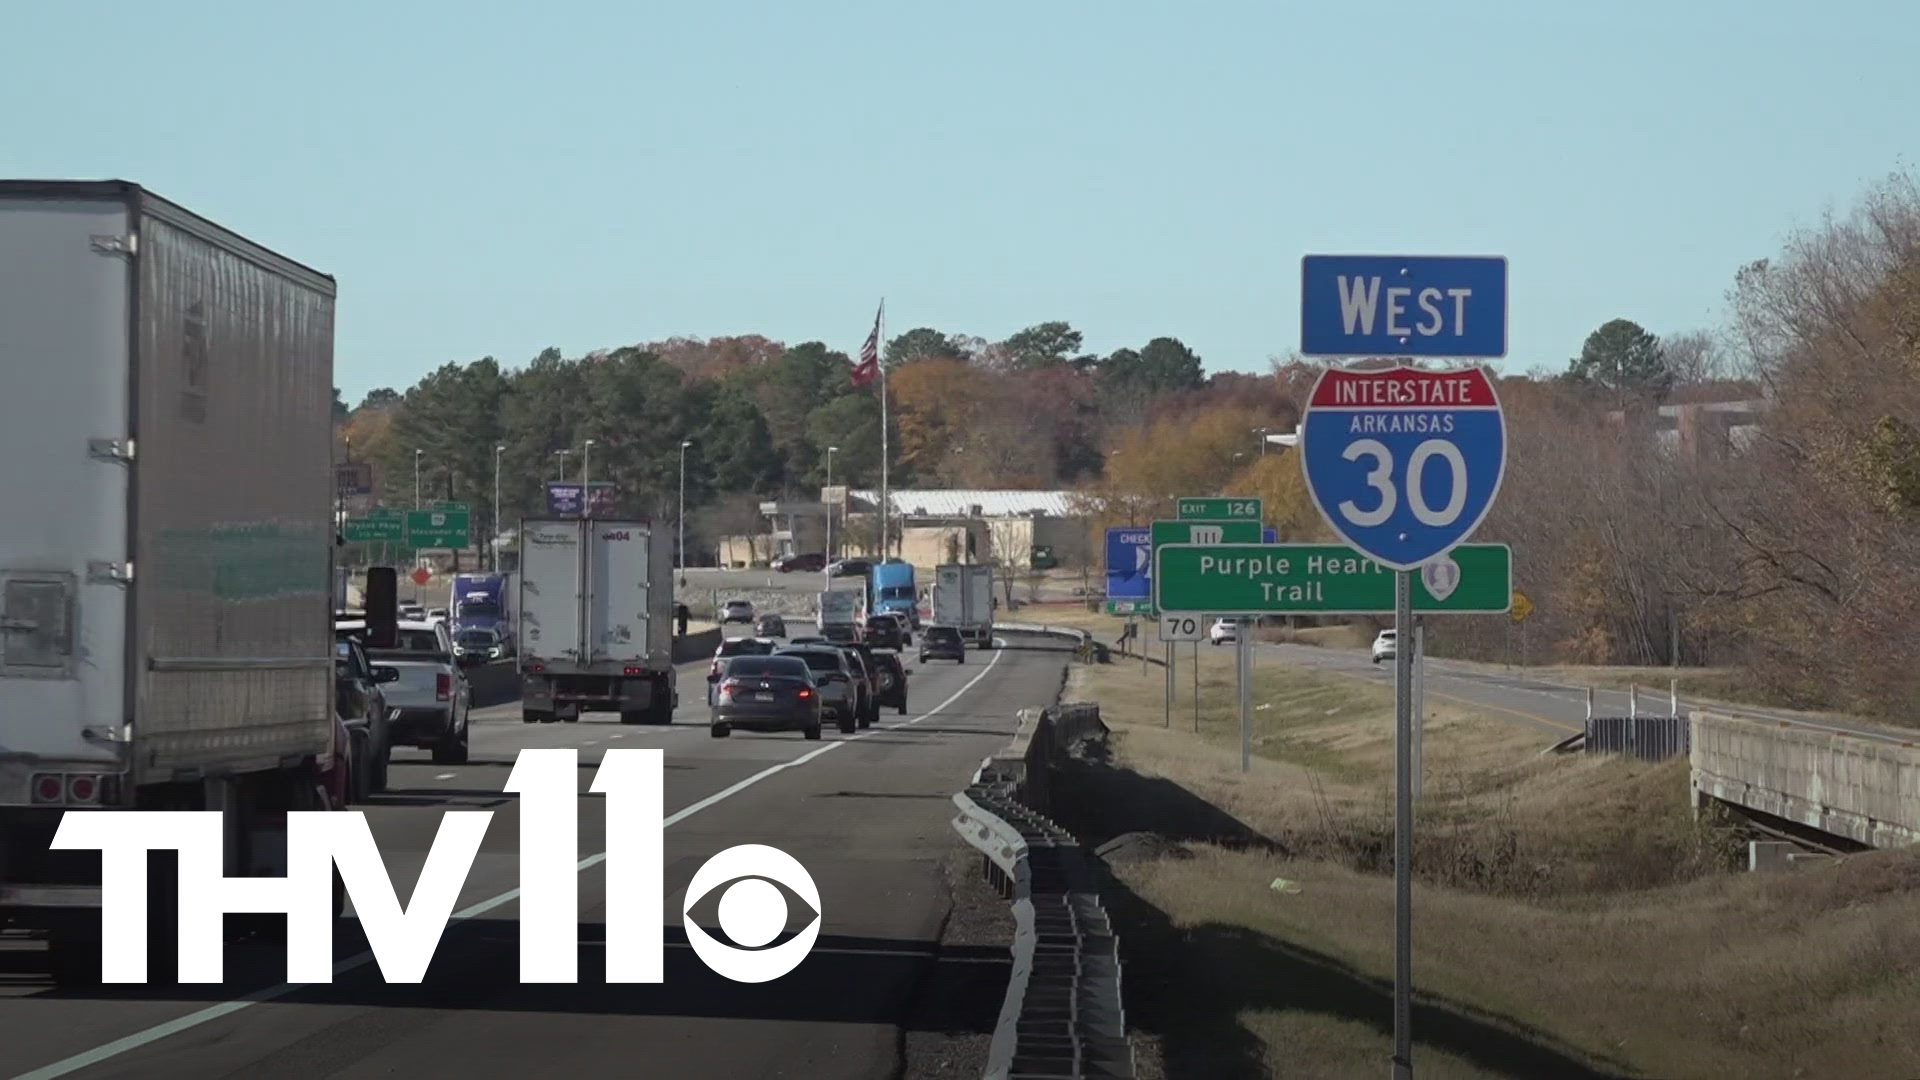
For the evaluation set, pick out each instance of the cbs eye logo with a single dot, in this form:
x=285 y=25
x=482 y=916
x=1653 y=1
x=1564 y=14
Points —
x=752 y=913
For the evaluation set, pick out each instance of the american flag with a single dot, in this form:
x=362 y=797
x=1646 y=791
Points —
x=868 y=368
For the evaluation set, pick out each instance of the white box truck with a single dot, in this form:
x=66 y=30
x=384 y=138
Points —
x=595 y=620
x=963 y=598
x=838 y=615
x=166 y=555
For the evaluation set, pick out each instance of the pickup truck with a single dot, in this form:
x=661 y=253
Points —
x=428 y=705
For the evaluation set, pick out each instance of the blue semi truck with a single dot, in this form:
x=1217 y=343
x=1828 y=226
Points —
x=890 y=588
x=483 y=602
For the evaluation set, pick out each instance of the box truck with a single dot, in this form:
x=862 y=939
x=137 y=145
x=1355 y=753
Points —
x=963 y=598
x=166 y=558
x=595 y=620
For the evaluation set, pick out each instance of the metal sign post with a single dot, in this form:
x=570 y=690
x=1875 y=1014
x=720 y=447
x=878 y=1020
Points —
x=1419 y=705
x=1243 y=647
x=1402 y=829
x=1196 y=688
x=1167 y=720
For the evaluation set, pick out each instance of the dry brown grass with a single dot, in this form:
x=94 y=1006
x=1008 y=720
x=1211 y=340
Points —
x=1571 y=897
x=1342 y=636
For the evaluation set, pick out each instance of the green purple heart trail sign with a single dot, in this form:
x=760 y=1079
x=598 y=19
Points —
x=1230 y=580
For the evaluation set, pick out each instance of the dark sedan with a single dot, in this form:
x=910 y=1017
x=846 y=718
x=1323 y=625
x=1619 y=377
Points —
x=788 y=564
x=942 y=643
x=885 y=632
x=767 y=693
x=770 y=626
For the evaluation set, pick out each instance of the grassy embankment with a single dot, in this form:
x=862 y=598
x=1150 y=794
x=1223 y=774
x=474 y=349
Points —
x=1571 y=918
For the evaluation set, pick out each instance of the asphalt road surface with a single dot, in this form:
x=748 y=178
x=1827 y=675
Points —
x=866 y=814
x=1554 y=708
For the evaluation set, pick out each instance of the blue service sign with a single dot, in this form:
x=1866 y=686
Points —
x=1130 y=563
x=1403 y=463
x=1403 y=305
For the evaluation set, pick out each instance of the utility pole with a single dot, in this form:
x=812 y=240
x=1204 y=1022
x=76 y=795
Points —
x=829 y=505
x=681 y=518
x=493 y=549
x=586 y=479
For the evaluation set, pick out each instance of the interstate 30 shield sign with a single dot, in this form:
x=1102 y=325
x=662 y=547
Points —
x=1404 y=463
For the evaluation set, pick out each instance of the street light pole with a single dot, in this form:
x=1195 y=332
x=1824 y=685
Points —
x=829 y=559
x=493 y=549
x=416 y=477
x=586 y=479
x=681 y=518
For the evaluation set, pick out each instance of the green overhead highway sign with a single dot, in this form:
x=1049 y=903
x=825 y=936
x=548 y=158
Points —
x=1324 y=579
x=438 y=528
x=1227 y=509
x=1206 y=532
x=374 y=529
x=387 y=513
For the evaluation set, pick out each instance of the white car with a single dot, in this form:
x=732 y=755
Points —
x=1383 y=646
x=1223 y=631
x=737 y=611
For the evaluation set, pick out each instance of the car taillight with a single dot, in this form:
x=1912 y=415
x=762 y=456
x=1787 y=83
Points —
x=805 y=693
x=443 y=686
x=632 y=669
x=83 y=789
x=715 y=669
x=727 y=688
x=536 y=665
x=48 y=788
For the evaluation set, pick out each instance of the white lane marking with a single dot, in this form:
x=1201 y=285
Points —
x=227 y=1008
x=444 y=776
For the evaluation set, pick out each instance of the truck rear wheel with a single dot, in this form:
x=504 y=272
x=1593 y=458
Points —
x=660 y=706
x=635 y=716
x=452 y=748
x=536 y=716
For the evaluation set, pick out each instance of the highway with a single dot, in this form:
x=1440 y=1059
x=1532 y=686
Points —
x=1554 y=708
x=866 y=814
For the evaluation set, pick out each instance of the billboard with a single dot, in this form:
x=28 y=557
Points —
x=352 y=478
x=564 y=498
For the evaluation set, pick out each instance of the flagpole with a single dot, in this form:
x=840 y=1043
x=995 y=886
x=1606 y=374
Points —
x=885 y=499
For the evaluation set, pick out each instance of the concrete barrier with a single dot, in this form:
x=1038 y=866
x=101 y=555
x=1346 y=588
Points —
x=695 y=645
x=1866 y=790
x=493 y=684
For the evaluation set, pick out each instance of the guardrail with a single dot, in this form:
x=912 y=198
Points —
x=1062 y=1016
x=1086 y=649
x=1648 y=736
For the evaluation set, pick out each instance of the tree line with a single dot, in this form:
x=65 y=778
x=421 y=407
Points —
x=760 y=416
x=1788 y=554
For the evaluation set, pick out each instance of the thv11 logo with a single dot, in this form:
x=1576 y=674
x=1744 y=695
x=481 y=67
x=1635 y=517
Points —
x=403 y=940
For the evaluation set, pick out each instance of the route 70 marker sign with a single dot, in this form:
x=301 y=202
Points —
x=1183 y=628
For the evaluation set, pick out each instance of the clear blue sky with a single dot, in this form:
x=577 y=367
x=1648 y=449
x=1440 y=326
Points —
x=491 y=178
